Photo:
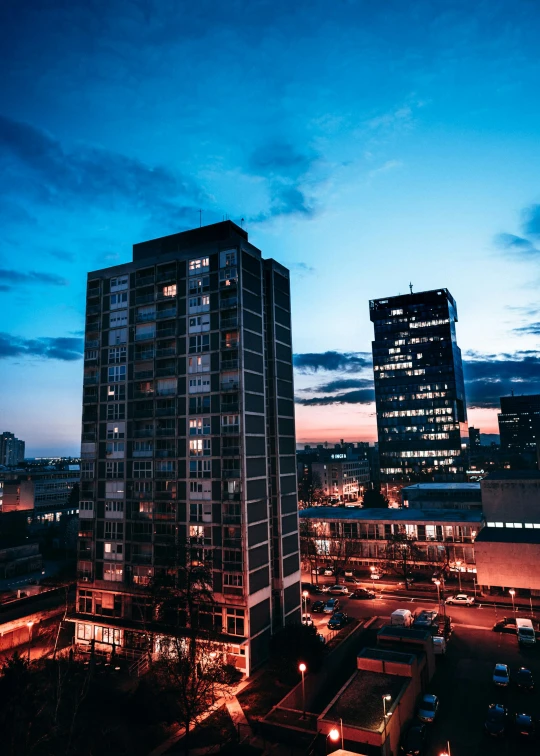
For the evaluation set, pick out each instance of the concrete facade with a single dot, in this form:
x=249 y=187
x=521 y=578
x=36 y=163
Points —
x=511 y=497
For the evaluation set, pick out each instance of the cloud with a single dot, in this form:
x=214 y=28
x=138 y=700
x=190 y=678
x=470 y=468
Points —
x=281 y=159
x=63 y=348
x=488 y=377
x=349 y=362
x=36 y=164
x=62 y=255
x=531 y=220
x=360 y=396
x=517 y=244
x=302 y=269
x=12 y=279
x=532 y=329
x=390 y=165
x=343 y=383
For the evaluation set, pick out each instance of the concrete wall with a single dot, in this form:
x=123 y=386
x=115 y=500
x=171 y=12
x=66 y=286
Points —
x=508 y=565
x=511 y=500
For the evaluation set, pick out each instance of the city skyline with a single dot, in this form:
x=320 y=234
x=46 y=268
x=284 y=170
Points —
x=360 y=145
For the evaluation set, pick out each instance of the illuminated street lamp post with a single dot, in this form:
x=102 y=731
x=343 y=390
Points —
x=447 y=752
x=385 y=698
x=458 y=565
x=513 y=593
x=302 y=667
x=334 y=734
x=373 y=578
x=305 y=595
x=29 y=626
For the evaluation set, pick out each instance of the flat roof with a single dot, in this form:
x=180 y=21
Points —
x=391 y=515
x=387 y=654
x=508 y=535
x=360 y=703
x=514 y=475
x=442 y=487
x=397 y=631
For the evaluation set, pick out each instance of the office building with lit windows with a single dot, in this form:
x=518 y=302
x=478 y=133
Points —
x=419 y=389
x=519 y=424
x=188 y=438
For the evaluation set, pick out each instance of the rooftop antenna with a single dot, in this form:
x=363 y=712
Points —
x=241 y=222
x=200 y=218
x=410 y=287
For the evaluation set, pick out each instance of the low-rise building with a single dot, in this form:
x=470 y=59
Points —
x=442 y=496
x=46 y=492
x=360 y=537
x=343 y=479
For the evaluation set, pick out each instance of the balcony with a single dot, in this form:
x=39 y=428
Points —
x=84 y=577
x=232 y=519
x=90 y=396
x=88 y=437
x=227 y=303
x=170 y=452
x=166 y=392
x=166 y=352
x=144 y=354
x=233 y=590
x=145 y=336
x=164 y=332
x=141 y=558
x=163 y=372
x=143 y=413
x=144 y=299
x=166 y=275
x=145 y=280
x=92 y=344
x=230 y=451
x=166 y=431
x=143 y=394
x=145 y=317
x=93 y=309
x=229 y=323
x=165 y=496
x=228 y=474
x=165 y=474
x=94 y=291
x=165 y=411
x=141 y=375
x=143 y=432
x=226 y=496
x=90 y=379
x=170 y=312
x=229 y=364
x=143 y=453
x=232 y=543
x=230 y=430
x=84 y=553
x=230 y=407
x=230 y=385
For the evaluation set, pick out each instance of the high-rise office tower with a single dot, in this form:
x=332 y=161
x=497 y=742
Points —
x=519 y=423
x=419 y=390
x=11 y=449
x=188 y=438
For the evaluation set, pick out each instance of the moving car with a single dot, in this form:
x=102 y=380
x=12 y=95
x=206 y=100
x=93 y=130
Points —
x=524 y=679
x=506 y=625
x=501 y=675
x=461 y=599
x=306 y=620
x=332 y=605
x=495 y=723
x=362 y=593
x=338 y=620
x=338 y=590
x=524 y=725
x=318 y=607
x=414 y=740
x=428 y=708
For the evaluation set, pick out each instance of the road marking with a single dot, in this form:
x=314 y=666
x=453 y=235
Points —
x=471 y=627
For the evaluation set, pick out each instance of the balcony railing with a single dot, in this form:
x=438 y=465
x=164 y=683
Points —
x=168 y=313
x=90 y=379
x=162 y=372
x=229 y=407
x=141 y=375
x=233 y=590
x=143 y=432
x=141 y=558
x=143 y=452
x=165 y=411
x=230 y=385
x=227 y=474
x=145 y=280
x=145 y=354
x=167 y=352
x=232 y=519
x=166 y=275
x=142 y=413
x=95 y=291
x=92 y=344
x=164 y=332
x=167 y=474
x=227 y=323
x=229 y=364
x=143 y=394
x=171 y=452
x=230 y=430
x=165 y=495
x=144 y=317
x=232 y=543
x=230 y=451
x=144 y=299
x=93 y=309
x=166 y=431
x=227 y=303
x=88 y=437
x=145 y=336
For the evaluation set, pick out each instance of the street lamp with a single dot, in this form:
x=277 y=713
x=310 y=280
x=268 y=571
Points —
x=302 y=667
x=373 y=578
x=385 y=698
x=333 y=735
x=305 y=595
x=458 y=565
x=513 y=593
x=438 y=584
x=29 y=626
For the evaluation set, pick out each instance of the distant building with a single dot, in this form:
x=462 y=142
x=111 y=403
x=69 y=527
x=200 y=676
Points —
x=44 y=492
x=519 y=423
x=442 y=496
x=343 y=471
x=419 y=388
x=474 y=439
x=11 y=450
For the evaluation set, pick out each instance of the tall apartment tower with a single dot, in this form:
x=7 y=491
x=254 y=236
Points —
x=11 y=449
x=419 y=389
x=188 y=437
x=519 y=423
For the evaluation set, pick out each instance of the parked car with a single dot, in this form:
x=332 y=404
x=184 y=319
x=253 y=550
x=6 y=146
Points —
x=321 y=638
x=524 y=725
x=428 y=708
x=318 y=607
x=306 y=620
x=506 y=625
x=524 y=679
x=349 y=573
x=328 y=571
x=461 y=599
x=414 y=740
x=338 y=590
x=501 y=675
x=495 y=723
x=439 y=645
x=425 y=618
x=351 y=579
x=332 y=605
x=338 y=620
x=362 y=593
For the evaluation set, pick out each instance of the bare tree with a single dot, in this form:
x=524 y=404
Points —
x=310 y=489
x=402 y=555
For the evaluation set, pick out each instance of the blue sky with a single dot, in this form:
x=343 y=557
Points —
x=366 y=144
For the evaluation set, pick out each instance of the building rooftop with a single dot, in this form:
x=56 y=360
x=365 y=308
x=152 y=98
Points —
x=514 y=475
x=360 y=703
x=398 y=631
x=508 y=535
x=443 y=487
x=386 y=654
x=392 y=515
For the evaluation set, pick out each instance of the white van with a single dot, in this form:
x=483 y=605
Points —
x=525 y=631
x=439 y=645
x=401 y=618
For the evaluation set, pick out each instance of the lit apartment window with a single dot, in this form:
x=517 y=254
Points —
x=199 y=364
x=113 y=572
x=227 y=258
x=116 y=393
x=116 y=430
x=199 y=285
x=199 y=426
x=199 y=265
x=113 y=551
x=169 y=291
x=199 y=304
x=199 y=447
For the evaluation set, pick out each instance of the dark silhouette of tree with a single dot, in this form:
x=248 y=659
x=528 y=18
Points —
x=374 y=499
x=293 y=644
x=310 y=489
x=402 y=555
